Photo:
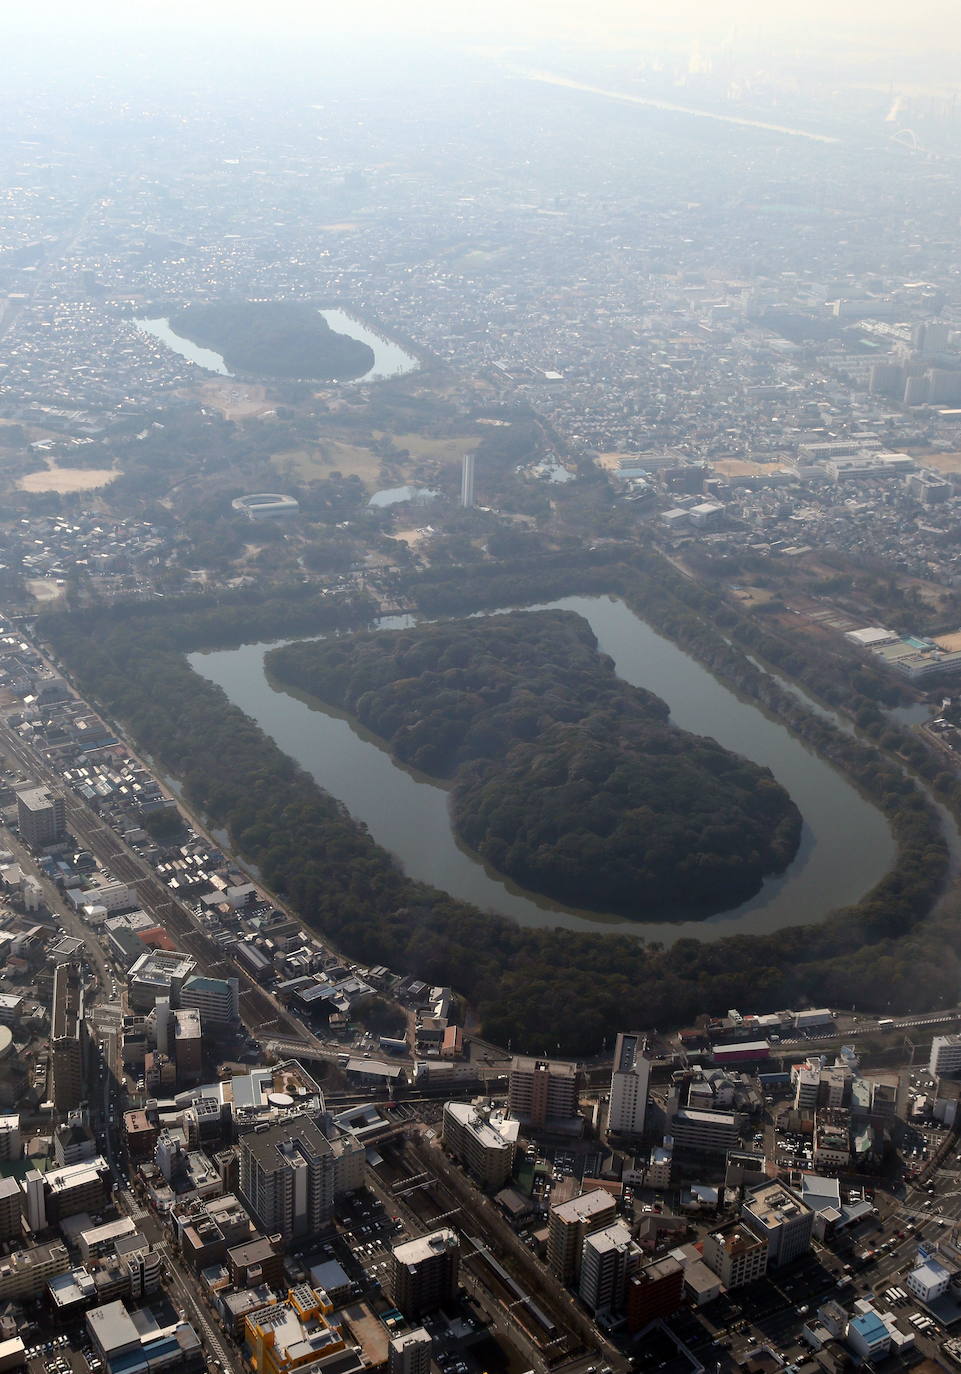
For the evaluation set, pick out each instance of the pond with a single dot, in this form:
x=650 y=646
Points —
x=846 y=844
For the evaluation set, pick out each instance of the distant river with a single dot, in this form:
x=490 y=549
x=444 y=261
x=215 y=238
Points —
x=390 y=360
x=551 y=79
x=846 y=844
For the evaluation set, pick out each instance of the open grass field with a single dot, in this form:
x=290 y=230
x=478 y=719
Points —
x=66 y=480
x=312 y=464
x=423 y=447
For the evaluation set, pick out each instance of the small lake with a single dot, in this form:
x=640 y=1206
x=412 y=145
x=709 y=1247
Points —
x=390 y=360
x=846 y=843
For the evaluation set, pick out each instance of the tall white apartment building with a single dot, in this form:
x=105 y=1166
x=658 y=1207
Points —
x=629 y=1083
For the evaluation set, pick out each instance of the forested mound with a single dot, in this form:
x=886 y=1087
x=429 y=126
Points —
x=565 y=778
x=274 y=339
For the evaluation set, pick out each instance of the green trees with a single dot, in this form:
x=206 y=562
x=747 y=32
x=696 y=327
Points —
x=569 y=780
x=541 y=987
x=274 y=339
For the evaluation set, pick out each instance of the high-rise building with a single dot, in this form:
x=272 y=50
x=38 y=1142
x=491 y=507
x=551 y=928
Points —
x=186 y=1045
x=68 y=1039
x=42 y=818
x=483 y=1140
x=36 y=1201
x=467 y=481
x=605 y=1263
x=629 y=1082
x=11 y=1209
x=779 y=1216
x=945 y=1055
x=543 y=1092
x=410 y=1353
x=290 y=1174
x=424 y=1272
x=570 y=1225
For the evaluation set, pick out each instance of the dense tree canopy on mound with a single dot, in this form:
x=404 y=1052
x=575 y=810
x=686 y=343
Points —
x=274 y=339
x=566 y=778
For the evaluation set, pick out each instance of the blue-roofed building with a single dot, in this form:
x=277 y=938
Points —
x=868 y=1336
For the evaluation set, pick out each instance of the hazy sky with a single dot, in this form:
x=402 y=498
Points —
x=936 y=22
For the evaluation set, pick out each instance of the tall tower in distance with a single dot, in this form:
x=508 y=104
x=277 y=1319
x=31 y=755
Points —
x=467 y=481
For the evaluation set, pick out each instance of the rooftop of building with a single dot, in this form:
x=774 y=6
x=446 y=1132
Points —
x=423 y=1248
x=617 y=1236
x=76 y=1175
x=557 y=1068
x=738 y=1240
x=161 y=966
x=272 y=1145
x=494 y=1130
x=626 y=1051
x=774 y=1204
x=584 y=1206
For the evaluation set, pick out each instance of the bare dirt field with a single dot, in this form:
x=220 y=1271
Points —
x=951 y=642
x=44 y=589
x=753 y=596
x=66 y=480
x=411 y=537
x=943 y=462
x=234 y=400
x=741 y=467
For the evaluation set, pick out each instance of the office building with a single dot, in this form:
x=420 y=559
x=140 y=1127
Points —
x=77 y=1188
x=424 y=1272
x=186 y=1045
x=929 y=1281
x=410 y=1353
x=655 y=1291
x=157 y=973
x=41 y=815
x=217 y=999
x=737 y=1256
x=832 y=1138
x=69 y=1053
x=544 y=1093
x=35 y=1202
x=702 y=1132
x=25 y=1273
x=605 y=1263
x=868 y=1336
x=629 y=1082
x=807 y=1086
x=570 y=1225
x=11 y=1144
x=484 y=1141
x=945 y=1055
x=11 y=1209
x=255 y=1261
x=290 y=1174
x=776 y=1214
x=136 y=1341
x=296 y=1332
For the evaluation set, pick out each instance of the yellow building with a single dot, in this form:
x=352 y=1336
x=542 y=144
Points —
x=292 y=1333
